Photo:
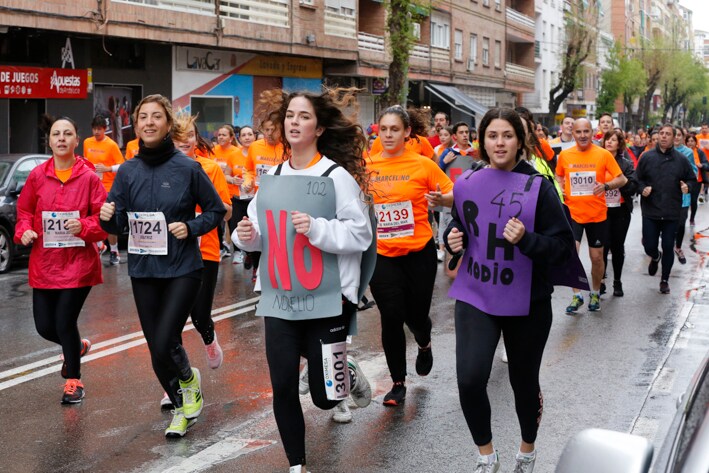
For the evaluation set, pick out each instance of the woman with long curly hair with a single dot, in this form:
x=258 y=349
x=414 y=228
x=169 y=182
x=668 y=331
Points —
x=314 y=200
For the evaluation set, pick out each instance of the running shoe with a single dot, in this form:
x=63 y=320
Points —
x=215 y=354
x=115 y=258
x=85 y=347
x=179 y=425
x=484 y=467
x=396 y=396
x=341 y=413
x=101 y=248
x=360 y=390
x=594 y=304
x=73 y=391
x=525 y=462
x=503 y=357
x=192 y=395
x=617 y=289
x=603 y=288
x=664 y=287
x=165 y=402
x=238 y=257
x=680 y=256
x=440 y=255
x=424 y=361
x=303 y=386
x=298 y=469
x=576 y=303
x=654 y=263
x=248 y=262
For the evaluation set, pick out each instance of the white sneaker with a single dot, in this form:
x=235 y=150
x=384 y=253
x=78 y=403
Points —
x=483 y=466
x=341 y=413
x=525 y=463
x=238 y=257
x=504 y=354
x=303 y=386
x=165 y=402
x=361 y=391
x=215 y=354
x=441 y=255
x=298 y=469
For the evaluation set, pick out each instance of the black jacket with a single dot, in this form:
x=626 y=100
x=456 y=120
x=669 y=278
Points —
x=663 y=172
x=631 y=187
x=550 y=244
x=168 y=182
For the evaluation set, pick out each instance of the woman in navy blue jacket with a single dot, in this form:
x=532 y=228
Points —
x=154 y=196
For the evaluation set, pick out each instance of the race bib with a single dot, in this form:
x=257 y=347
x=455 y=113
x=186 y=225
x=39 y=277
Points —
x=148 y=233
x=55 y=233
x=261 y=169
x=335 y=372
x=243 y=195
x=613 y=198
x=394 y=220
x=704 y=143
x=582 y=182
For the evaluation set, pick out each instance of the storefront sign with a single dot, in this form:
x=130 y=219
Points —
x=42 y=83
x=281 y=66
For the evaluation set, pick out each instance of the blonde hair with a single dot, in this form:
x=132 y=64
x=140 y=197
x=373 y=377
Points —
x=162 y=101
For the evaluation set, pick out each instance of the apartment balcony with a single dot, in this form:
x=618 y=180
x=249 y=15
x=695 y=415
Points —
x=519 y=78
x=339 y=24
x=520 y=27
x=532 y=101
x=372 y=48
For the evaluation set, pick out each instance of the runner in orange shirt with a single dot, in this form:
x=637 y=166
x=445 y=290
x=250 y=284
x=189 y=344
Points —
x=582 y=171
x=225 y=152
x=404 y=185
x=131 y=149
x=106 y=157
x=417 y=143
x=703 y=143
x=241 y=182
x=263 y=155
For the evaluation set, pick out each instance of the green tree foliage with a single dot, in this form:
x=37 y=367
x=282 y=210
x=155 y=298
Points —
x=625 y=79
x=655 y=56
x=686 y=78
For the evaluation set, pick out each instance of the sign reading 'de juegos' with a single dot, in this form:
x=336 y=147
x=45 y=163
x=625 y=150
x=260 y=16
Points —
x=42 y=83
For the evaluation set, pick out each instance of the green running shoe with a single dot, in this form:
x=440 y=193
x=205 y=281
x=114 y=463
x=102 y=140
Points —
x=595 y=303
x=192 y=395
x=179 y=425
x=576 y=302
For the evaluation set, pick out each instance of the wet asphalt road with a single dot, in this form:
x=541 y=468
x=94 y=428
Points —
x=621 y=368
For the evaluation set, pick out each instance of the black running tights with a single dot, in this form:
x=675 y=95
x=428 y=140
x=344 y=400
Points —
x=202 y=311
x=403 y=288
x=477 y=335
x=56 y=312
x=163 y=307
x=618 y=224
x=652 y=231
x=286 y=341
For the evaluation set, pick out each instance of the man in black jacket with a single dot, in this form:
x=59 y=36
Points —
x=663 y=176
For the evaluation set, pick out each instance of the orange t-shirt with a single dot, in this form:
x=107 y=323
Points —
x=581 y=170
x=698 y=162
x=398 y=186
x=546 y=150
x=421 y=146
x=104 y=152
x=263 y=157
x=209 y=242
x=63 y=175
x=225 y=157
x=703 y=142
x=131 y=149
x=243 y=167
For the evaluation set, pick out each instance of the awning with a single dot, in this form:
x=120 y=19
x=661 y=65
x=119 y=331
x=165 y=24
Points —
x=457 y=99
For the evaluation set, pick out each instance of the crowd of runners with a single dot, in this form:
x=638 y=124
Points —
x=318 y=210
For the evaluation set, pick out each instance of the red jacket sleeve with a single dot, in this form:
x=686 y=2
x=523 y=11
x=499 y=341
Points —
x=26 y=205
x=91 y=230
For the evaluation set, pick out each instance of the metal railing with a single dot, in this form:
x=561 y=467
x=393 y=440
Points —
x=370 y=42
x=520 y=71
x=205 y=7
x=266 y=12
x=520 y=18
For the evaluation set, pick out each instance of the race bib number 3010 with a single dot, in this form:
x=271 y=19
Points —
x=582 y=182
x=148 y=233
x=55 y=233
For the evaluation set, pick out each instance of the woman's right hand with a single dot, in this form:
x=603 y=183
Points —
x=28 y=237
x=108 y=209
x=245 y=230
x=455 y=240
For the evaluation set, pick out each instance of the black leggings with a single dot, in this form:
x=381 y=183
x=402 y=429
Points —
x=696 y=187
x=286 y=341
x=56 y=312
x=618 y=224
x=652 y=230
x=681 y=223
x=403 y=288
x=201 y=314
x=477 y=335
x=163 y=307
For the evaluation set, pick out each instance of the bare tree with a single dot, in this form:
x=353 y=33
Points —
x=401 y=40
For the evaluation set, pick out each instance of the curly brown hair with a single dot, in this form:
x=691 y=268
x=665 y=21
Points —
x=342 y=140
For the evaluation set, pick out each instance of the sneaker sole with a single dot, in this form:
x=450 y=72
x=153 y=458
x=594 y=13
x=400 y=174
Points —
x=393 y=403
x=176 y=434
x=365 y=398
x=74 y=401
x=342 y=420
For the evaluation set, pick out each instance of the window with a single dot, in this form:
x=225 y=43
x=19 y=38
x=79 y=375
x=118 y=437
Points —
x=486 y=3
x=440 y=32
x=213 y=112
x=486 y=51
x=458 y=44
x=551 y=37
x=498 y=5
x=416 y=30
x=544 y=35
x=474 y=48
x=498 y=54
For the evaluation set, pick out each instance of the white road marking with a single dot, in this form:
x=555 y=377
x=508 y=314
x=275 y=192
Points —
x=224 y=450
x=25 y=373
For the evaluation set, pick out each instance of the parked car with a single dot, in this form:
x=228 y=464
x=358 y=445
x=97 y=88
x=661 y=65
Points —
x=14 y=169
x=684 y=450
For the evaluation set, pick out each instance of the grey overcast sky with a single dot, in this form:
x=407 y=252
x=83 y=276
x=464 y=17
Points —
x=700 y=8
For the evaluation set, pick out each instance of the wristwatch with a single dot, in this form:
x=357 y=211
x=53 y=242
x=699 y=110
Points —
x=606 y=187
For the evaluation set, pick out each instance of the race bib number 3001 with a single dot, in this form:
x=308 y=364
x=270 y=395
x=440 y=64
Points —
x=582 y=182
x=335 y=372
x=148 y=233
x=394 y=220
x=55 y=233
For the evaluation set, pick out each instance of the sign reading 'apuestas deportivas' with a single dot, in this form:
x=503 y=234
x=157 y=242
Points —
x=18 y=82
